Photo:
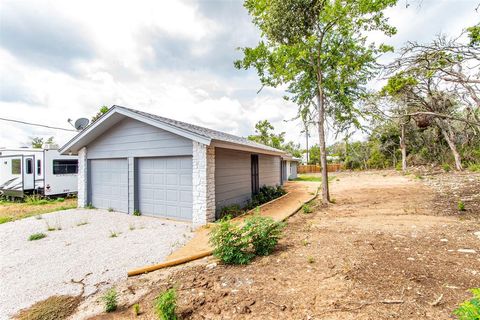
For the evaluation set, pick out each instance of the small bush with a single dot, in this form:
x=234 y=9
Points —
x=231 y=211
x=264 y=195
x=89 y=206
x=446 y=167
x=60 y=199
x=5 y=219
x=469 y=310
x=263 y=233
x=110 y=209
x=36 y=236
x=113 y=234
x=230 y=243
x=137 y=213
x=474 y=167
x=110 y=298
x=136 y=309
x=311 y=259
x=461 y=205
x=165 y=305
x=307 y=208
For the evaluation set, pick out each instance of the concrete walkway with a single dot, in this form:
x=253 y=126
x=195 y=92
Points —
x=279 y=209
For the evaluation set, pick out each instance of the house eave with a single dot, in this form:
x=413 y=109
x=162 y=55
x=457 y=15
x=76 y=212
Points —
x=240 y=147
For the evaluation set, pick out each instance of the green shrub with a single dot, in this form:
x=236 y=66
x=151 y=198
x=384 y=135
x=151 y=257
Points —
x=469 y=310
x=474 y=167
x=89 y=206
x=263 y=233
x=165 y=305
x=231 y=211
x=37 y=236
x=264 y=195
x=461 y=205
x=230 y=243
x=110 y=209
x=446 y=167
x=137 y=213
x=110 y=298
x=5 y=219
x=307 y=208
x=60 y=199
x=136 y=309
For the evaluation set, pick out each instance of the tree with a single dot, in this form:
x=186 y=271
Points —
x=102 y=111
x=318 y=49
x=265 y=134
x=435 y=83
x=38 y=142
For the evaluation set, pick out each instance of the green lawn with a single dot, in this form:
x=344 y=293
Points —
x=10 y=211
x=303 y=177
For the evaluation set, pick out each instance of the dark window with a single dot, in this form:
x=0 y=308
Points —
x=28 y=166
x=16 y=166
x=65 y=166
x=254 y=173
x=39 y=167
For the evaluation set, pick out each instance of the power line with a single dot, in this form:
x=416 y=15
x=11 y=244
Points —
x=37 y=124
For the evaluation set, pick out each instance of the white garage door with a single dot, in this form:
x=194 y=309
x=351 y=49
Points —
x=165 y=187
x=109 y=184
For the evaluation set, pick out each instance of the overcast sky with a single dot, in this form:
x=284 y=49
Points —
x=65 y=59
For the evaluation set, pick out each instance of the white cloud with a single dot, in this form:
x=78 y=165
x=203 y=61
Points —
x=126 y=54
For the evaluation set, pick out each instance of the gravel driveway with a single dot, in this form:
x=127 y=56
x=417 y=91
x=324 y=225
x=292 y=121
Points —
x=84 y=246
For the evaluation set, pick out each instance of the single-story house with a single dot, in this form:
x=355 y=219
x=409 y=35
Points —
x=131 y=160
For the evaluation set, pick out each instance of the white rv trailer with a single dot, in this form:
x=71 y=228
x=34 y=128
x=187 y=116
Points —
x=40 y=171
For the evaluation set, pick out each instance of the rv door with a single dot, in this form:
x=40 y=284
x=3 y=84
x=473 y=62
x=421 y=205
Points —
x=28 y=173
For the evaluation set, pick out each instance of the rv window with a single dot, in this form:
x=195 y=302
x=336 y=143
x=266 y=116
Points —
x=16 y=166
x=28 y=166
x=39 y=167
x=65 y=166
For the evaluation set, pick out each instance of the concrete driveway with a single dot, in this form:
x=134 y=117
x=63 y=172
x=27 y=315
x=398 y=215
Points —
x=94 y=245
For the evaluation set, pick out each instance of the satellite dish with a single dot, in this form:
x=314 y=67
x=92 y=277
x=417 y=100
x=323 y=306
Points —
x=81 y=124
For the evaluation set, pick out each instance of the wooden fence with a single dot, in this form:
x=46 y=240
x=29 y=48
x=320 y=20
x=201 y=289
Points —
x=315 y=168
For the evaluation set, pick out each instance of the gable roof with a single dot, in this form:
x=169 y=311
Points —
x=187 y=130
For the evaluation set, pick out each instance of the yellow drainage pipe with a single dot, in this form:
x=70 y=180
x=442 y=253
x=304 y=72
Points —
x=175 y=262
x=169 y=263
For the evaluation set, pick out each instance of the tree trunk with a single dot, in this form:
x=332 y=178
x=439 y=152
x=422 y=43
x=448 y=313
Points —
x=448 y=135
x=323 y=153
x=306 y=136
x=403 y=147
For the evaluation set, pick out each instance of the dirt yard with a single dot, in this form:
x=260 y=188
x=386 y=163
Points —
x=388 y=248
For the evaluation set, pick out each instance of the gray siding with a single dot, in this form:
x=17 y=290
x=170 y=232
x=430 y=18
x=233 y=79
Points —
x=232 y=177
x=132 y=138
x=269 y=170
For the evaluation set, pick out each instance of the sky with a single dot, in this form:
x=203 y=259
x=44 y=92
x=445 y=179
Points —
x=62 y=60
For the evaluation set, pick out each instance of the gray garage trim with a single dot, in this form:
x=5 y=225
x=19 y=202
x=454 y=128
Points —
x=164 y=187
x=108 y=184
x=132 y=138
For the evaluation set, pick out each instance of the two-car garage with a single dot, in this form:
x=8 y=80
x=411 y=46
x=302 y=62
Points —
x=162 y=185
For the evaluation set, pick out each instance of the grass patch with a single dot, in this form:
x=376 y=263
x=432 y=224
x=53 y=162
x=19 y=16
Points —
x=308 y=178
x=114 y=234
x=56 y=307
x=165 y=305
x=36 y=236
x=11 y=211
x=82 y=223
x=110 y=298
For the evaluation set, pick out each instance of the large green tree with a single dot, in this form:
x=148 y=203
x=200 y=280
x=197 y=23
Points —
x=319 y=50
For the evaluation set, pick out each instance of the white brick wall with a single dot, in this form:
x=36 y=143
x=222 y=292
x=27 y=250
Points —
x=203 y=182
x=82 y=177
